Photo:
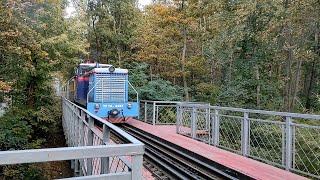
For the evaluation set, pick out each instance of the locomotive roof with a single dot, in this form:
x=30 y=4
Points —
x=92 y=65
x=106 y=70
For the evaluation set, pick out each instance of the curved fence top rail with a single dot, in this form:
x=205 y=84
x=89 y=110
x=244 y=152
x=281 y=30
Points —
x=173 y=102
x=273 y=113
x=116 y=129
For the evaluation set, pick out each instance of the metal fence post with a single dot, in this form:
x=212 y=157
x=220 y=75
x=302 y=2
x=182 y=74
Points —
x=145 y=111
x=178 y=118
x=208 y=119
x=215 y=128
x=74 y=116
x=293 y=147
x=105 y=160
x=81 y=129
x=157 y=114
x=154 y=114
x=193 y=123
x=283 y=145
x=245 y=131
x=72 y=135
x=137 y=161
x=77 y=140
x=288 y=143
x=90 y=143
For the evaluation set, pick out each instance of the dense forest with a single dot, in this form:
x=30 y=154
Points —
x=252 y=54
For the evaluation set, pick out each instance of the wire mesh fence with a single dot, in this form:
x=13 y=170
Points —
x=267 y=139
x=166 y=114
x=230 y=133
x=306 y=146
x=281 y=139
x=158 y=112
x=286 y=140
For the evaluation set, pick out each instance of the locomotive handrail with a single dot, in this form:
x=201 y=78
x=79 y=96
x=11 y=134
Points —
x=134 y=91
x=91 y=90
x=65 y=86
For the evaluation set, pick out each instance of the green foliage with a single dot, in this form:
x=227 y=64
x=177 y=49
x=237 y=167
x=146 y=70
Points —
x=28 y=172
x=138 y=74
x=15 y=133
x=206 y=92
x=111 y=29
x=160 y=90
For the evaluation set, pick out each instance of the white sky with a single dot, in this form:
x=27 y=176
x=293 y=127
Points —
x=144 y=2
x=70 y=9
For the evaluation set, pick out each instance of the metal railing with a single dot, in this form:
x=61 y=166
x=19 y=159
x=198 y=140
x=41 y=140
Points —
x=287 y=140
x=91 y=151
x=158 y=112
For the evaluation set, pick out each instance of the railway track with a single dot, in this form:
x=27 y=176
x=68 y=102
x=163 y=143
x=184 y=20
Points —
x=167 y=162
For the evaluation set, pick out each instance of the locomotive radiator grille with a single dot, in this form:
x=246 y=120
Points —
x=111 y=87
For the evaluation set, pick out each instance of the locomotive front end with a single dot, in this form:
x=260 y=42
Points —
x=108 y=95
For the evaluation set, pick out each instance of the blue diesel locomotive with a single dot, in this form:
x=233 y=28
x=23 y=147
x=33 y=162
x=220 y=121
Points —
x=103 y=90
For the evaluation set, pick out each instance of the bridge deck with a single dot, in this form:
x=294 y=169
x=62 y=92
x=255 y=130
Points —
x=249 y=167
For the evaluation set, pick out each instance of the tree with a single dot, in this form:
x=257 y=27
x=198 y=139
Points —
x=112 y=26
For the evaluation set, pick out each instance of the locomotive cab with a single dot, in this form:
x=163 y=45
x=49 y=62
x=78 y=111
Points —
x=103 y=89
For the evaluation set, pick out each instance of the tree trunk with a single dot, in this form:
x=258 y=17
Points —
x=288 y=49
x=258 y=86
x=212 y=71
x=313 y=68
x=288 y=82
x=310 y=87
x=119 y=54
x=295 y=85
x=183 y=60
x=97 y=41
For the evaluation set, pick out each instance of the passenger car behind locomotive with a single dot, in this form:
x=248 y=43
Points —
x=103 y=90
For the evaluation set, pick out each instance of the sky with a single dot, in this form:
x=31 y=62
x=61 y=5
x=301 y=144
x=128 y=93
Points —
x=144 y=2
x=70 y=9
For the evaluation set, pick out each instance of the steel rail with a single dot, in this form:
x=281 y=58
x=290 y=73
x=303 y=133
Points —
x=178 y=163
x=149 y=162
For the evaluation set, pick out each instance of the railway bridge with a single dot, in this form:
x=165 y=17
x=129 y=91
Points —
x=179 y=140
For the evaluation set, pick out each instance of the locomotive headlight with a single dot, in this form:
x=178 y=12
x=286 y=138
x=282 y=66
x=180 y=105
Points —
x=97 y=106
x=112 y=69
x=129 y=105
x=114 y=112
